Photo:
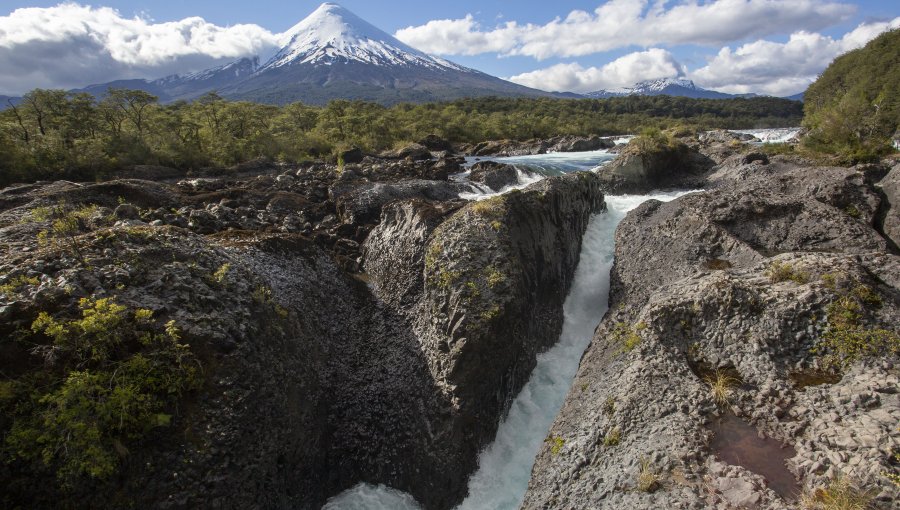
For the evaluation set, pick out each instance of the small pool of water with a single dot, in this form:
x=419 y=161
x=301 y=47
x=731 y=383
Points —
x=736 y=442
x=803 y=379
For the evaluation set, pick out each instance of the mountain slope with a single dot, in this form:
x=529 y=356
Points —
x=335 y=54
x=190 y=86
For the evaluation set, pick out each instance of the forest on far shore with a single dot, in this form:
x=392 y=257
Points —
x=54 y=134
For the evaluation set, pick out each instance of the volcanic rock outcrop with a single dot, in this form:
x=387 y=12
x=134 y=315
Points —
x=305 y=380
x=760 y=302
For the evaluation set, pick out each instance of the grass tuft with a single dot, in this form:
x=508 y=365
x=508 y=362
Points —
x=721 y=386
x=648 y=478
x=840 y=494
x=613 y=437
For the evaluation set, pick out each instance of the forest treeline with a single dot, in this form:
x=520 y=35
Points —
x=853 y=109
x=54 y=134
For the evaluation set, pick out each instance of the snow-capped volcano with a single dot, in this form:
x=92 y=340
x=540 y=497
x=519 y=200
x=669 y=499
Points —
x=335 y=54
x=334 y=34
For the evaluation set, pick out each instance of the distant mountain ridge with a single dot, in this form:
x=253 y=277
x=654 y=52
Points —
x=680 y=87
x=662 y=87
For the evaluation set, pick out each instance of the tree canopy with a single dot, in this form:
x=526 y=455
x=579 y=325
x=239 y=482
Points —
x=853 y=108
x=54 y=134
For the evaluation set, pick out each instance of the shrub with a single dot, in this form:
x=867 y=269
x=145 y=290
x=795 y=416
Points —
x=10 y=288
x=120 y=373
x=493 y=208
x=491 y=313
x=847 y=338
x=613 y=437
x=651 y=139
x=68 y=223
x=894 y=478
x=609 y=407
x=626 y=336
x=494 y=276
x=782 y=272
x=472 y=287
x=433 y=254
x=556 y=444
x=222 y=273
x=262 y=295
x=717 y=264
x=444 y=278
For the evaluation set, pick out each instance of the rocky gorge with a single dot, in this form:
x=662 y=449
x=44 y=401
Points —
x=362 y=323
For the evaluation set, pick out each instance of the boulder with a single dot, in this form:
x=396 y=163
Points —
x=435 y=143
x=494 y=175
x=354 y=155
x=581 y=144
x=755 y=157
x=648 y=165
x=888 y=221
x=127 y=212
x=414 y=152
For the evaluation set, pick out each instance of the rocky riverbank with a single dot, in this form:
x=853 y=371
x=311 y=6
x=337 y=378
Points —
x=766 y=305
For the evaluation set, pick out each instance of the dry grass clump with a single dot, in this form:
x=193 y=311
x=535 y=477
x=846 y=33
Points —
x=721 y=385
x=613 y=437
x=648 y=478
x=840 y=494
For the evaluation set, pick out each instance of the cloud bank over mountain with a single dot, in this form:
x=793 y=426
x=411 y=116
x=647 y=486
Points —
x=735 y=46
x=622 y=72
x=624 y=23
x=762 y=67
x=72 y=45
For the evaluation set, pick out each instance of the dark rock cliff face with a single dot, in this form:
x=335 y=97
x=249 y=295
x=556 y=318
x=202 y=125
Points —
x=738 y=280
x=483 y=289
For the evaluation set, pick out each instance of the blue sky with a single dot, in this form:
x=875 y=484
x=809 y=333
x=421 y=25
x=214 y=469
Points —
x=773 y=47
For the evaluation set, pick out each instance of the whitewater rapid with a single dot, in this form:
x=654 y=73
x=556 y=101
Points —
x=774 y=135
x=504 y=467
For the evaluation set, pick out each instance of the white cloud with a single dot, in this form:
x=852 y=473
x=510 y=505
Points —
x=459 y=37
x=623 y=23
x=782 y=68
x=71 y=45
x=622 y=72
